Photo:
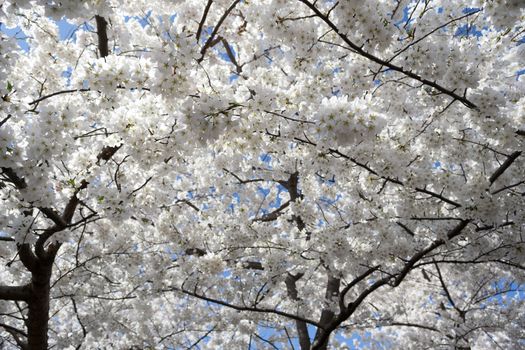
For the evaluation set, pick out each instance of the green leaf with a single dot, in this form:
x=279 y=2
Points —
x=9 y=86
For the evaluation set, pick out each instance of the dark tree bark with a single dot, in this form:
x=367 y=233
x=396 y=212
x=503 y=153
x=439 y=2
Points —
x=37 y=321
x=327 y=315
x=302 y=327
x=102 y=34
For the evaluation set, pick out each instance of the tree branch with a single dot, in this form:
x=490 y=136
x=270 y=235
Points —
x=102 y=35
x=18 y=293
x=5 y=120
x=438 y=196
x=506 y=164
x=62 y=223
x=354 y=282
x=392 y=280
x=445 y=289
x=203 y=19
x=404 y=227
x=27 y=257
x=211 y=39
x=241 y=181
x=327 y=314
x=408 y=324
x=231 y=56
x=15 y=332
x=302 y=327
x=140 y=187
x=395 y=181
x=40 y=99
x=431 y=32
x=244 y=308
x=358 y=50
x=272 y=216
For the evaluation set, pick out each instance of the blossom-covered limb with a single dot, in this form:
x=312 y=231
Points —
x=359 y=50
x=393 y=281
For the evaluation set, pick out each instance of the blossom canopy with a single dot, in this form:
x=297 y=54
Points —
x=262 y=174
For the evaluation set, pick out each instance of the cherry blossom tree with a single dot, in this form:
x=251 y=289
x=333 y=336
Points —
x=262 y=174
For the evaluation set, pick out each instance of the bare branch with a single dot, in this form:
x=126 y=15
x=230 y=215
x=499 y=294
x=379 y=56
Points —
x=187 y=202
x=203 y=19
x=407 y=230
x=40 y=99
x=241 y=181
x=266 y=341
x=290 y=118
x=140 y=187
x=272 y=216
x=354 y=282
x=196 y=344
x=19 y=293
x=409 y=324
x=231 y=56
x=507 y=187
x=102 y=35
x=506 y=164
x=5 y=120
x=244 y=308
x=438 y=196
x=445 y=289
x=210 y=42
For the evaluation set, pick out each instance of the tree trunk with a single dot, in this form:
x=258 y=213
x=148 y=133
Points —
x=37 y=321
x=327 y=315
x=302 y=328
